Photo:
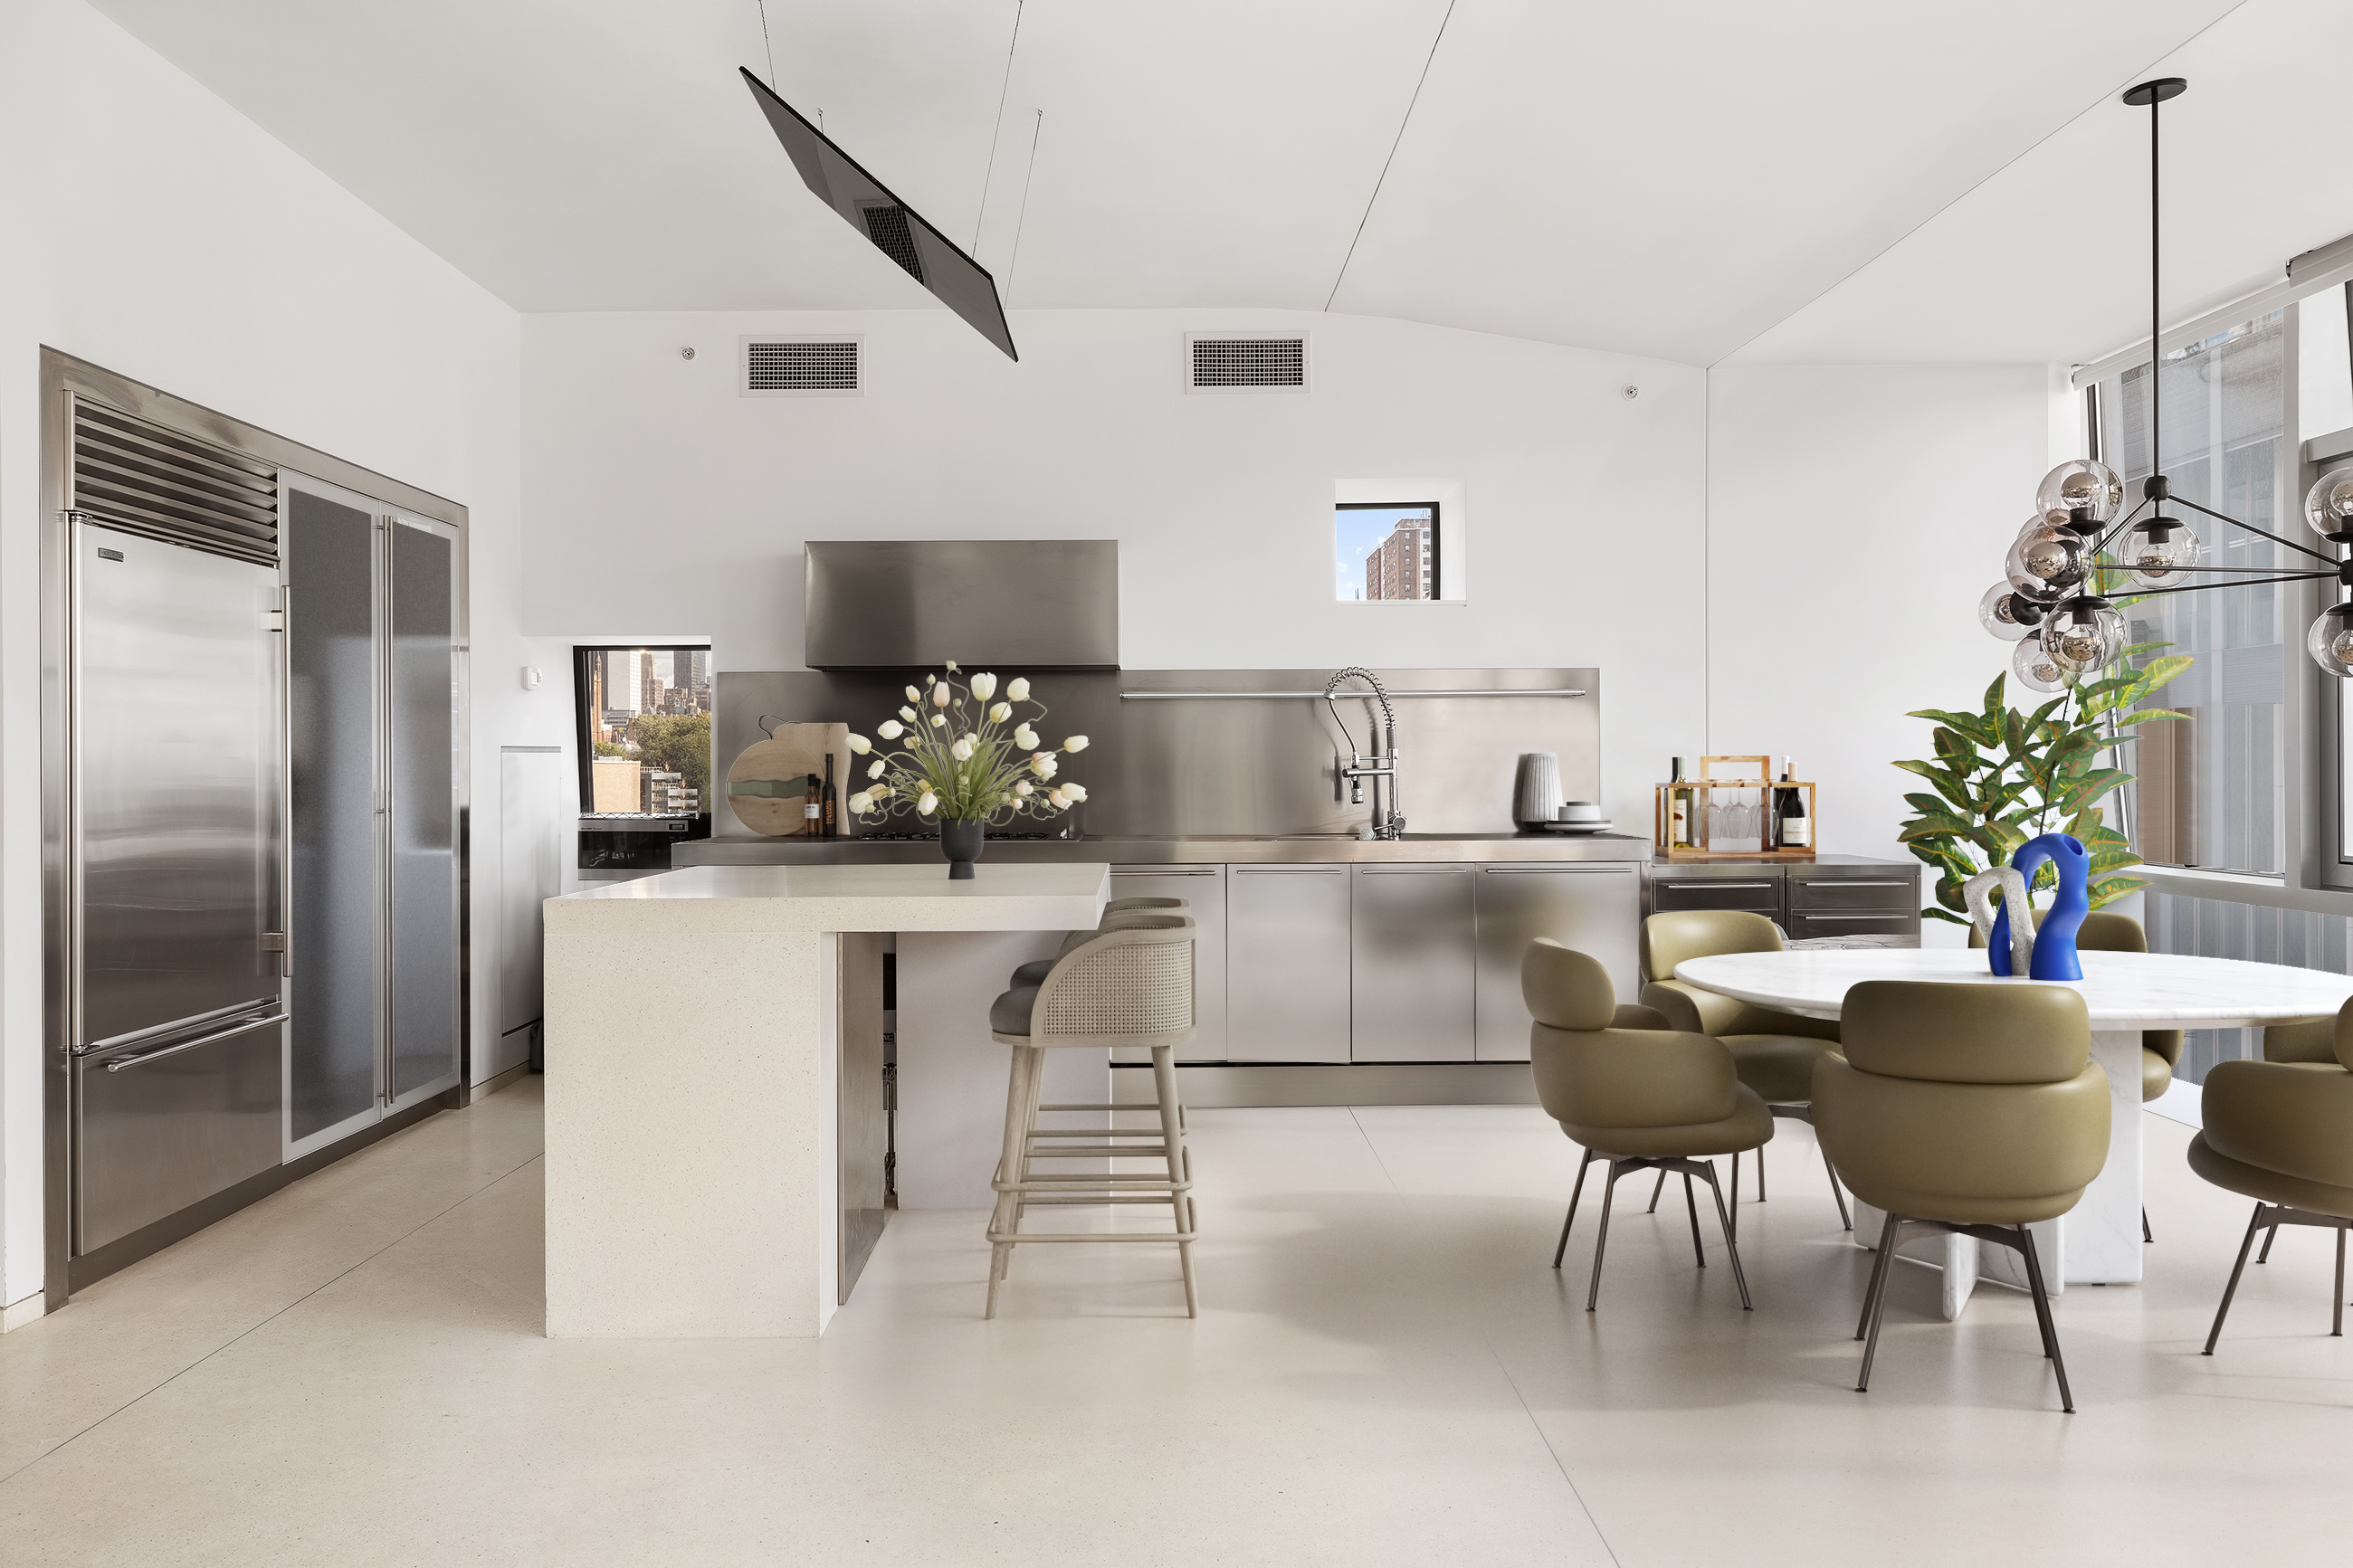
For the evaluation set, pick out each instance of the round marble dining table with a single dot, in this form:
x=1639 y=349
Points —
x=2099 y=1241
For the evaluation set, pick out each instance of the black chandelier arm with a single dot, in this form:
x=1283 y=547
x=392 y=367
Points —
x=2242 y=571
x=2121 y=524
x=2251 y=527
x=2196 y=587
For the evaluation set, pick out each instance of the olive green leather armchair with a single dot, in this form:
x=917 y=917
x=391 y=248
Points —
x=2302 y=1040
x=1966 y=1111
x=2104 y=931
x=1774 y=1052
x=2282 y=1134
x=1633 y=1092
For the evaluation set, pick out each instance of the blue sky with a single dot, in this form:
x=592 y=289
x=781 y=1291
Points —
x=1357 y=533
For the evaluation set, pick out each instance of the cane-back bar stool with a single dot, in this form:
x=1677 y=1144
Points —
x=1115 y=913
x=1128 y=984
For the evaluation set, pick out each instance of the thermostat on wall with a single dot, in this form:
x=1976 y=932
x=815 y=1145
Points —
x=531 y=679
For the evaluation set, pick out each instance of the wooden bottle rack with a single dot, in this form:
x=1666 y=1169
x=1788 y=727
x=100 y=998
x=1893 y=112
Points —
x=1703 y=789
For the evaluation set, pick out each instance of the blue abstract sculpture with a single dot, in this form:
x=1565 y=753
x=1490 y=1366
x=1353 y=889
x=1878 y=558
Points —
x=2053 y=956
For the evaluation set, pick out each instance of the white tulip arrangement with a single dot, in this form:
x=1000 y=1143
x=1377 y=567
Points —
x=964 y=757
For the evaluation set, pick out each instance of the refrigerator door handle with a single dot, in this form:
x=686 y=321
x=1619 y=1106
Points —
x=244 y=1029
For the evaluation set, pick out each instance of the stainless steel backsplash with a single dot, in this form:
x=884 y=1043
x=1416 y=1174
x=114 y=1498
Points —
x=1231 y=762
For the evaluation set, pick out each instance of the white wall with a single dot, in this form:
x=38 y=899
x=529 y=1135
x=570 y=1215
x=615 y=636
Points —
x=1856 y=513
x=149 y=229
x=660 y=497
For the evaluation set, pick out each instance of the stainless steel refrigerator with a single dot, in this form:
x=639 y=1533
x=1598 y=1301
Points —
x=253 y=813
x=179 y=864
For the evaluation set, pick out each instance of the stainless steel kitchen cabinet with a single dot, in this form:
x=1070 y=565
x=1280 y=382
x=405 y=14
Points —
x=1414 y=964
x=1287 y=963
x=1203 y=888
x=1596 y=910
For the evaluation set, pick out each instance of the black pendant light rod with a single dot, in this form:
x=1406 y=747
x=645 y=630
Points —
x=2153 y=93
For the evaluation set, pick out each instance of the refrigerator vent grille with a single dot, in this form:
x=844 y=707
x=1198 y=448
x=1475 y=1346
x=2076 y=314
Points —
x=778 y=367
x=1239 y=364
x=146 y=478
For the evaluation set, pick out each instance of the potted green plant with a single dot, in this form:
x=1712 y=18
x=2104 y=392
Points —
x=2002 y=776
x=967 y=758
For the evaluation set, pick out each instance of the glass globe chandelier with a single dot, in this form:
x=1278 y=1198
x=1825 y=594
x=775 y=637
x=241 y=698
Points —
x=2080 y=536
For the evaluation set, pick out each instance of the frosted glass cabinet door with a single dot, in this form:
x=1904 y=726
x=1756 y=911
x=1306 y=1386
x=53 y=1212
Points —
x=333 y=935
x=423 y=737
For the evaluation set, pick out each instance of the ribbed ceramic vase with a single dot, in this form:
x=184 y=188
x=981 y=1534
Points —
x=1535 y=796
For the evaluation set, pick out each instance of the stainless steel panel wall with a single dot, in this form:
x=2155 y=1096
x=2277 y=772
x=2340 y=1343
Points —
x=335 y=938
x=1234 y=763
x=1287 y=963
x=159 y=1136
x=422 y=735
x=1596 y=910
x=1032 y=603
x=1415 y=963
x=178 y=774
x=1203 y=888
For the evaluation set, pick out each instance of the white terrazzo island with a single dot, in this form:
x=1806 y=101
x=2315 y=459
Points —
x=693 y=1021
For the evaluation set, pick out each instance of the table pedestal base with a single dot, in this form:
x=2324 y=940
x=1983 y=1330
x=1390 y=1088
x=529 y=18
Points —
x=2096 y=1243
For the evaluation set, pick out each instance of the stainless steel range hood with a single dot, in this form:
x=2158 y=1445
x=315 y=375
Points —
x=1012 y=604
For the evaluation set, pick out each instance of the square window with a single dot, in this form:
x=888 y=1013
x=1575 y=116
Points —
x=1389 y=551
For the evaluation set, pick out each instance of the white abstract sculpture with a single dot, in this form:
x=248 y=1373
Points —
x=1977 y=893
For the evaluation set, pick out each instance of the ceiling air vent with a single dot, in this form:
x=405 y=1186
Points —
x=802 y=367
x=146 y=478
x=1245 y=364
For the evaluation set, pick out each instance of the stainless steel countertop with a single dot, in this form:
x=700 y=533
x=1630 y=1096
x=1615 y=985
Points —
x=1477 y=849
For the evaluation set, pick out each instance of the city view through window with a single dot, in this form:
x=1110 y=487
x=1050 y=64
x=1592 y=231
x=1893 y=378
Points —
x=1387 y=550
x=645 y=725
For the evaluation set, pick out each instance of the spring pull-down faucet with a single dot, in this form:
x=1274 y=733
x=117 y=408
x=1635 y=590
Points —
x=1376 y=767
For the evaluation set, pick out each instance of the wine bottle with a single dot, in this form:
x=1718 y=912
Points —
x=826 y=801
x=812 y=810
x=1678 y=811
x=1797 y=829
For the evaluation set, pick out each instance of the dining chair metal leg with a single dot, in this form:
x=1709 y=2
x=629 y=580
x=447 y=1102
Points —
x=1736 y=1193
x=1700 y=1252
x=1876 y=1306
x=2270 y=1236
x=1593 y=1291
x=1879 y=1266
x=2336 y=1323
x=2042 y=1315
x=2231 y=1290
x=1731 y=1243
x=1846 y=1220
x=1575 y=1193
x=1760 y=1172
x=1657 y=1187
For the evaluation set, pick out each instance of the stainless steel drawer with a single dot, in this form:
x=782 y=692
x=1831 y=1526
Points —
x=1287 y=963
x=167 y=1128
x=1893 y=923
x=1812 y=890
x=1760 y=894
x=1414 y=964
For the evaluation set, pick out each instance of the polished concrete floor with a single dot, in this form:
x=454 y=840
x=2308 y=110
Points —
x=1386 y=1371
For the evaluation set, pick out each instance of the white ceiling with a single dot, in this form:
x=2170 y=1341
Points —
x=1844 y=180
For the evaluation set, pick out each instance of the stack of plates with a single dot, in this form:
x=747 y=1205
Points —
x=1576 y=827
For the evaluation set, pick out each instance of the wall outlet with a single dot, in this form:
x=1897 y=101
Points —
x=531 y=679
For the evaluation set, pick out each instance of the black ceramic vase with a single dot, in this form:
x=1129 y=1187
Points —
x=960 y=842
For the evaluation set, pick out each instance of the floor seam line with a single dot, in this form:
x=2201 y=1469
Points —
x=264 y=1323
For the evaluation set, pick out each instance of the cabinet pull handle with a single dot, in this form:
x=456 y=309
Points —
x=1854 y=916
x=1843 y=882
x=1569 y=871
x=1714 y=884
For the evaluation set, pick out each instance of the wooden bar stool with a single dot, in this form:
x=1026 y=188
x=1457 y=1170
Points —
x=1130 y=984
